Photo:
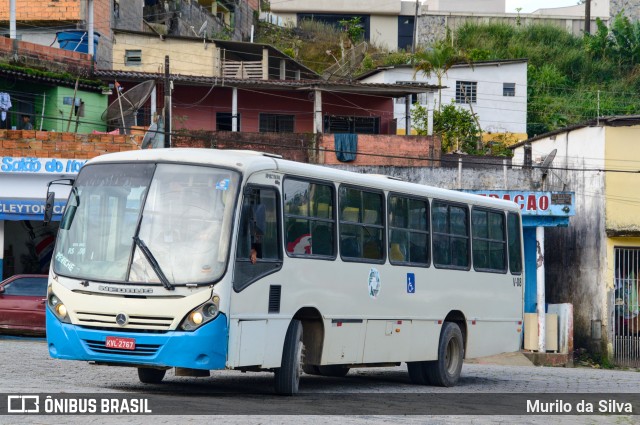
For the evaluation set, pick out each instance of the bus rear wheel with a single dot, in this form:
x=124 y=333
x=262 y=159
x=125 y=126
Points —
x=287 y=376
x=151 y=376
x=445 y=371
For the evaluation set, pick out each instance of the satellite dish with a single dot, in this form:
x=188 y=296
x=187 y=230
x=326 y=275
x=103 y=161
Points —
x=127 y=104
x=203 y=27
x=548 y=160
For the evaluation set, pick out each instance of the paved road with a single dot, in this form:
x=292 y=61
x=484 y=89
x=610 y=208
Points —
x=27 y=368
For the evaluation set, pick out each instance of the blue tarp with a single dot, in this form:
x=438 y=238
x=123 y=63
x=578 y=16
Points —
x=346 y=146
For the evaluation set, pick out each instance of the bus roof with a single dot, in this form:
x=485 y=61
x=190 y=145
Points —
x=249 y=162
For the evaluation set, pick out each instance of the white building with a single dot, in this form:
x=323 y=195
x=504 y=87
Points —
x=495 y=90
x=594 y=263
x=387 y=24
x=472 y=6
x=599 y=9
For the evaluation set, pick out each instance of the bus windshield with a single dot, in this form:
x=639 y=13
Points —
x=181 y=213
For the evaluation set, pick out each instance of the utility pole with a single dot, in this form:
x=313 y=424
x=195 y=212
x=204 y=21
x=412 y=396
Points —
x=90 y=27
x=12 y=19
x=415 y=28
x=587 y=17
x=167 y=104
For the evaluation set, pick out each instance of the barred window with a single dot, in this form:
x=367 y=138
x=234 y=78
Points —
x=466 y=91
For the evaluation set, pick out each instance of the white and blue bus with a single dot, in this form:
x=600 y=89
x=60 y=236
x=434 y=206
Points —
x=202 y=259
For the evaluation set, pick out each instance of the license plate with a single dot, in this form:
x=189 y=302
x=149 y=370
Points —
x=120 y=343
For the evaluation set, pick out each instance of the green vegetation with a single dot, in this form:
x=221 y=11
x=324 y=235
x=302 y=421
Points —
x=570 y=79
x=308 y=43
x=65 y=76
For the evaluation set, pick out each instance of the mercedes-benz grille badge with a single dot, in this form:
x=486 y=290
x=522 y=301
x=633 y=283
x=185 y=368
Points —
x=122 y=319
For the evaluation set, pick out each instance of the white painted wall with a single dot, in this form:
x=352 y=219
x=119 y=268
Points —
x=599 y=9
x=576 y=257
x=497 y=113
x=337 y=6
x=475 y=6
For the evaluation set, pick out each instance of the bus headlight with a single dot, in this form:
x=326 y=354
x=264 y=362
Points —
x=58 y=308
x=201 y=315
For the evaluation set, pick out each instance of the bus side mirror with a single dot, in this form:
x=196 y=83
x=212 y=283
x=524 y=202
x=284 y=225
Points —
x=48 y=207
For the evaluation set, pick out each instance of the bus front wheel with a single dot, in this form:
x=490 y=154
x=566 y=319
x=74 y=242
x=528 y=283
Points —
x=445 y=371
x=151 y=376
x=287 y=376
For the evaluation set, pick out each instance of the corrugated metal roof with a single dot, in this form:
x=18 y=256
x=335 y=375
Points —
x=21 y=75
x=611 y=121
x=459 y=65
x=391 y=90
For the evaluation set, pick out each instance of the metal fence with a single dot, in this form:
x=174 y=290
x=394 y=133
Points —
x=626 y=326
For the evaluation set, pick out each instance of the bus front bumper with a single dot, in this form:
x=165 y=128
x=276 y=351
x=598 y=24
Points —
x=204 y=348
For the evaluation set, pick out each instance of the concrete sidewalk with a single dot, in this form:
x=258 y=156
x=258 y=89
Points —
x=505 y=359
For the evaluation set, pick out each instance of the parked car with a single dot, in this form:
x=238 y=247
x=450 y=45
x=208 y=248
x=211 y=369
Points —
x=22 y=304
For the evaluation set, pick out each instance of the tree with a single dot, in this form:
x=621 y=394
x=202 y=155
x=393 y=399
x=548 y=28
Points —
x=438 y=60
x=456 y=127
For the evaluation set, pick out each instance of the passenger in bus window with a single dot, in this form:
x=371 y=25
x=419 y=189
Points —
x=257 y=227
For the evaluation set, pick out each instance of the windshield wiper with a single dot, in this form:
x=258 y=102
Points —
x=154 y=264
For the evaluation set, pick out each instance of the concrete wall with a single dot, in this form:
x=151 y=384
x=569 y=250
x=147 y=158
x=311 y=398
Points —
x=477 y=6
x=129 y=16
x=395 y=151
x=630 y=8
x=599 y=8
x=57 y=113
x=576 y=256
x=432 y=26
x=382 y=7
x=189 y=57
x=623 y=200
x=297 y=103
x=384 y=31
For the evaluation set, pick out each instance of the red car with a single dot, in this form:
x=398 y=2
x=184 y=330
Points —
x=22 y=304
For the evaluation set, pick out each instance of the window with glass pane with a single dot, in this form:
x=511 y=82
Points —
x=361 y=224
x=450 y=235
x=408 y=230
x=466 y=91
x=489 y=244
x=276 y=123
x=309 y=220
x=509 y=89
x=515 y=246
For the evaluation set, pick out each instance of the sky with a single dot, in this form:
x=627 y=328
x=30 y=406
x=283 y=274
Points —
x=529 y=6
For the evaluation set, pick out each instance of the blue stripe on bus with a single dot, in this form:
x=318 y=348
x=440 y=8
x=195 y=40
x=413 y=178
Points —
x=205 y=348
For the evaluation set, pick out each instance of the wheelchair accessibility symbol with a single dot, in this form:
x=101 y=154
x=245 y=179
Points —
x=411 y=283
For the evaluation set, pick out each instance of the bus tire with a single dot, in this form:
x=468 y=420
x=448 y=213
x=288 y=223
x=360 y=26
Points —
x=418 y=373
x=335 y=371
x=149 y=375
x=445 y=371
x=287 y=376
